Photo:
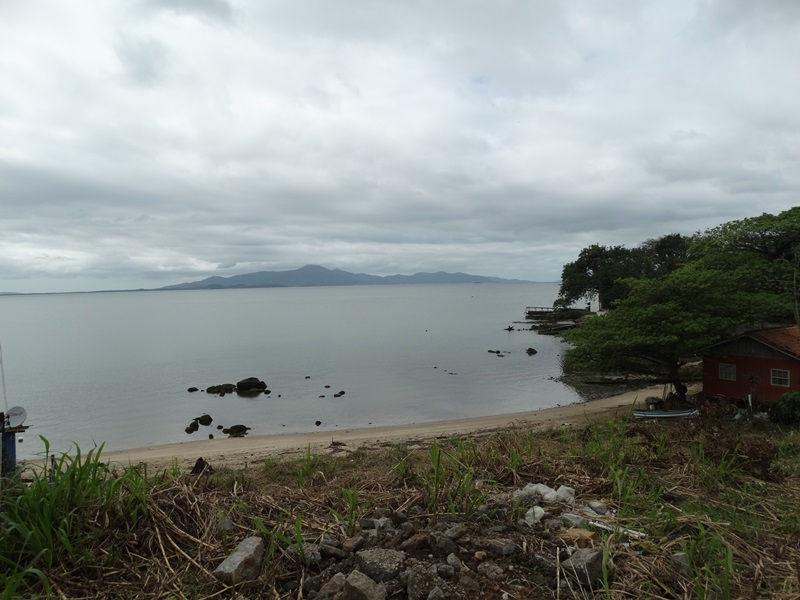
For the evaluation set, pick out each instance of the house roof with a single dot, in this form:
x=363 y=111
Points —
x=785 y=339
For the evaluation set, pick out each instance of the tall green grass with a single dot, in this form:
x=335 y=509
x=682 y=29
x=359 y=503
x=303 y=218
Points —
x=54 y=517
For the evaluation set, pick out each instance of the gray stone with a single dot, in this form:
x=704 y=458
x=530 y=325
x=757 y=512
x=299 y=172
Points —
x=599 y=507
x=454 y=561
x=244 y=563
x=436 y=594
x=573 y=520
x=490 y=570
x=457 y=531
x=566 y=494
x=585 y=565
x=353 y=544
x=445 y=571
x=225 y=525
x=330 y=540
x=418 y=541
x=332 y=552
x=381 y=523
x=309 y=554
x=334 y=586
x=500 y=546
x=381 y=564
x=534 y=515
x=682 y=563
x=443 y=544
x=358 y=586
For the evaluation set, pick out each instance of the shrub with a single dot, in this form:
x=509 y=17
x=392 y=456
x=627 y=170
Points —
x=786 y=411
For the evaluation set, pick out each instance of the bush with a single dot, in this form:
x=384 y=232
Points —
x=786 y=411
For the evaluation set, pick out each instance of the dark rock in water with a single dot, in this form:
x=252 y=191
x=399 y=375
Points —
x=531 y=351
x=308 y=376
x=317 y=423
x=327 y=386
x=322 y=396
x=193 y=426
x=221 y=394
x=267 y=392
x=204 y=420
x=224 y=388
x=250 y=384
x=509 y=328
x=341 y=392
x=211 y=436
x=236 y=430
x=219 y=426
x=201 y=466
x=192 y=389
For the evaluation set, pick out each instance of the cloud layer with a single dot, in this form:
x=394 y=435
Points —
x=154 y=141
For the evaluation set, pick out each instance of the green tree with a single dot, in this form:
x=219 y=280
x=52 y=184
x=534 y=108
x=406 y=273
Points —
x=595 y=274
x=775 y=239
x=599 y=271
x=662 y=321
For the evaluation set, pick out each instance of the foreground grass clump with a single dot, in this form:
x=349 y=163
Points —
x=52 y=518
x=725 y=495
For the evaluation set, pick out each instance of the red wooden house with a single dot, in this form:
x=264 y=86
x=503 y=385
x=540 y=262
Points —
x=764 y=363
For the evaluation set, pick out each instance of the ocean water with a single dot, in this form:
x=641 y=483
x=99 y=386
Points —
x=114 y=367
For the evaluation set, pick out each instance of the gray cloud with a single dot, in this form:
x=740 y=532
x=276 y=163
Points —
x=143 y=144
x=215 y=9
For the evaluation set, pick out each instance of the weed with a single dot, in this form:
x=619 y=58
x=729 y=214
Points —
x=307 y=467
x=352 y=511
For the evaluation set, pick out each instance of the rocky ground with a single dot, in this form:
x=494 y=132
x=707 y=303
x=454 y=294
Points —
x=618 y=509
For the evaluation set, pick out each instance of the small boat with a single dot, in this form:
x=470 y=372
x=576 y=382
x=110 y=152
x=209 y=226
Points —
x=666 y=414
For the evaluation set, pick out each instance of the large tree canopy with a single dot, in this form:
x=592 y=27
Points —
x=739 y=273
x=599 y=270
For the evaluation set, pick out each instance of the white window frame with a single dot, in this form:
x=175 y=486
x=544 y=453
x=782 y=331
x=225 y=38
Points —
x=787 y=378
x=720 y=374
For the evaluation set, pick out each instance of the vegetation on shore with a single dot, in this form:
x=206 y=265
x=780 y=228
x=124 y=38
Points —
x=726 y=494
x=670 y=297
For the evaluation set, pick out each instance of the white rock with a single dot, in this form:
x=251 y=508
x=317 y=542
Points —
x=534 y=492
x=566 y=494
x=534 y=515
x=244 y=563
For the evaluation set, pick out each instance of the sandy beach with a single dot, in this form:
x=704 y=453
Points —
x=239 y=451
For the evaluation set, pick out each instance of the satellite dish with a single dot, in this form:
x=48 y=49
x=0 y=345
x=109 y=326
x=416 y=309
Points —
x=16 y=416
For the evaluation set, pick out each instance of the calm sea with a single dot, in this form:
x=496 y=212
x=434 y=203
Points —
x=114 y=367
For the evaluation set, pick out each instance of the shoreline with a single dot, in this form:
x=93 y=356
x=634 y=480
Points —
x=240 y=451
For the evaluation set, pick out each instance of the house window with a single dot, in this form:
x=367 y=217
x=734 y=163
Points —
x=779 y=377
x=727 y=372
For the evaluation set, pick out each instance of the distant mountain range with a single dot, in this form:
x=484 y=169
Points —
x=314 y=275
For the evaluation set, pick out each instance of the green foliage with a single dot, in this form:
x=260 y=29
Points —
x=601 y=271
x=350 y=514
x=48 y=520
x=786 y=411
x=679 y=296
x=449 y=484
x=664 y=320
x=308 y=467
x=711 y=564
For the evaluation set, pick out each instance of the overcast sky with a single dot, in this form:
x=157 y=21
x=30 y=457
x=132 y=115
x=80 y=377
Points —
x=147 y=142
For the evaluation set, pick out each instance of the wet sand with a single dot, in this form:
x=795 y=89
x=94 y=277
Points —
x=240 y=451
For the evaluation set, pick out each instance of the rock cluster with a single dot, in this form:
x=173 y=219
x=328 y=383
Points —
x=400 y=555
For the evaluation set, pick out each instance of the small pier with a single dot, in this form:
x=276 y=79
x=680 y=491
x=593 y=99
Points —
x=551 y=320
